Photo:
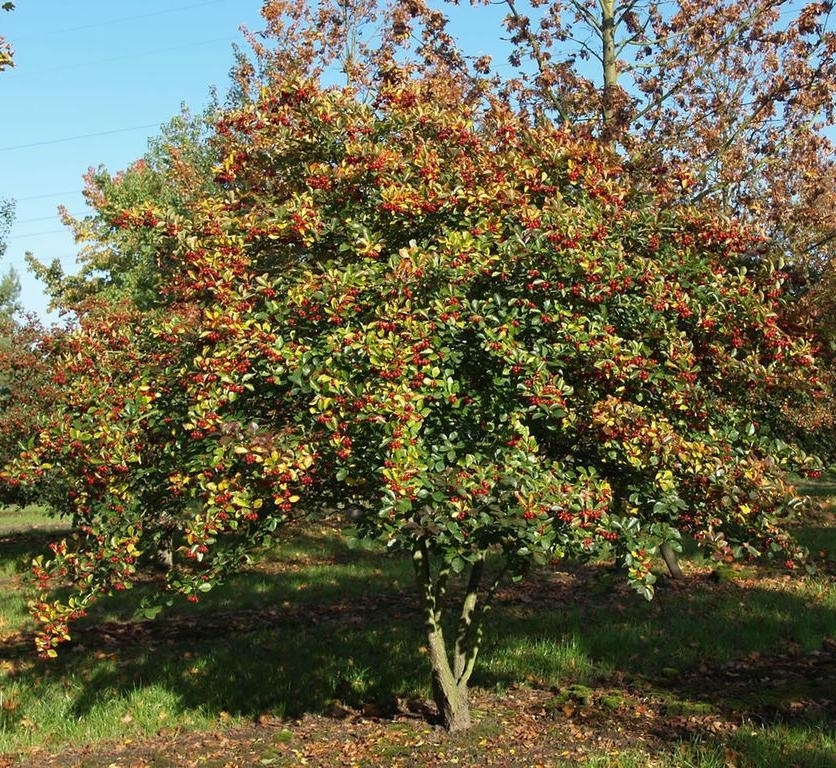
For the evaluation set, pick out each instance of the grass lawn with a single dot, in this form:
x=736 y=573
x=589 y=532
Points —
x=23 y=519
x=314 y=657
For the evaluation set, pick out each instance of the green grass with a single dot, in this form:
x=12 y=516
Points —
x=197 y=665
x=820 y=487
x=317 y=623
x=31 y=517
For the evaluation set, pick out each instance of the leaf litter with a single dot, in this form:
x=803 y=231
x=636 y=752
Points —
x=524 y=726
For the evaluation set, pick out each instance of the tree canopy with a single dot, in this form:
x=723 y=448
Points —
x=485 y=334
x=430 y=298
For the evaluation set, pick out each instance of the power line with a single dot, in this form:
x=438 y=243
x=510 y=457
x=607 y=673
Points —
x=108 y=22
x=46 y=195
x=77 y=138
x=39 y=218
x=38 y=234
x=127 y=57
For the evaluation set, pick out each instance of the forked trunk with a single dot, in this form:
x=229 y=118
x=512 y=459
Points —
x=450 y=696
x=449 y=680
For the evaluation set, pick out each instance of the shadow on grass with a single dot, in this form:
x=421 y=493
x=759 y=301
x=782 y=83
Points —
x=779 y=749
x=319 y=624
x=325 y=623
x=17 y=548
x=822 y=488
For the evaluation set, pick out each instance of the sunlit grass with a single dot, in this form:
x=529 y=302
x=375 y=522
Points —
x=33 y=516
x=546 y=661
x=317 y=623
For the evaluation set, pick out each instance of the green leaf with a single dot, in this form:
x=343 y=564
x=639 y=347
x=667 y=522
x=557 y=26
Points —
x=152 y=611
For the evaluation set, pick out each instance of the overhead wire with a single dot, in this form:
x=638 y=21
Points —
x=125 y=57
x=36 y=234
x=46 y=195
x=78 y=137
x=109 y=22
x=37 y=218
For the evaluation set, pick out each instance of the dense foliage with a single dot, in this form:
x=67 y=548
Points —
x=479 y=333
x=25 y=388
x=27 y=392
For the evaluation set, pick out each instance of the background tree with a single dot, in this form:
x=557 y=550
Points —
x=9 y=294
x=117 y=262
x=744 y=92
x=26 y=389
x=9 y=283
x=481 y=330
x=6 y=52
x=28 y=393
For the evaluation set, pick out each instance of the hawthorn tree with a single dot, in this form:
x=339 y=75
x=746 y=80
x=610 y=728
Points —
x=481 y=331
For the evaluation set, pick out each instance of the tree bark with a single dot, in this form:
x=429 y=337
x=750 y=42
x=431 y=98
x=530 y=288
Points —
x=449 y=682
x=610 y=70
x=669 y=556
x=449 y=696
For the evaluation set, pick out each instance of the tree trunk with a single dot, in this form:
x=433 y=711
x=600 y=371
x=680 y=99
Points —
x=669 y=556
x=450 y=696
x=449 y=681
x=610 y=67
x=164 y=554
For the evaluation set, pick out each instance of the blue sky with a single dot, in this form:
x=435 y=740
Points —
x=109 y=73
x=94 y=80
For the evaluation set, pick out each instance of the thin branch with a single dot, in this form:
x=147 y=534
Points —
x=708 y=61
x=828 y=238
x=469 y=632
x=583 y=45
x=539 y=58
x=587 y=15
